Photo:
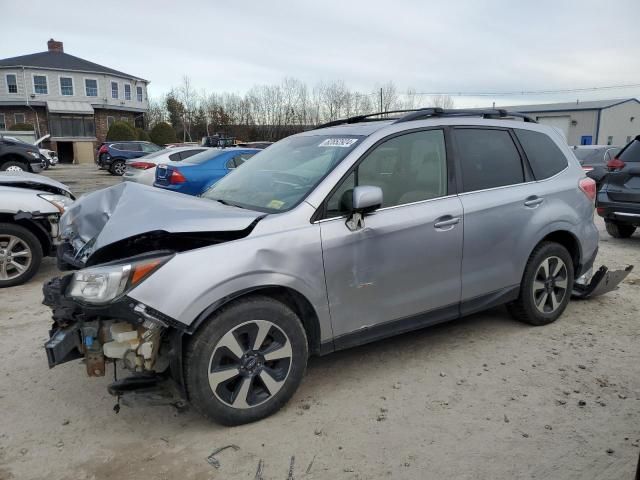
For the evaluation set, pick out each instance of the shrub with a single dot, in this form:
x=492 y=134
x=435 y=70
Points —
x=163 y=133
x=142 y=135
x=22 y=127
x=121 y=131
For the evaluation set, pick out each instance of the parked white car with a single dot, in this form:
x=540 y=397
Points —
x=143 y=169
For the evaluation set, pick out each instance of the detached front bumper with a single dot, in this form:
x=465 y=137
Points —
x=603 y=281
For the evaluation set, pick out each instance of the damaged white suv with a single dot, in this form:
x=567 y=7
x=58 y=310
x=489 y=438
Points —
x=328 y=239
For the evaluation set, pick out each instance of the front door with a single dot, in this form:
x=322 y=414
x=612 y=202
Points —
x=406 y=259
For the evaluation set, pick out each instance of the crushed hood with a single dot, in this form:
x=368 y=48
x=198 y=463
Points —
x=32 y=180
x=130 y=209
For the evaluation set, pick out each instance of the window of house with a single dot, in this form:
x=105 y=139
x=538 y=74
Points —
x=40 y=85
x=110 y=121
x=12 y=83
x=66 y=86
x=114 y=89
x=127 y=92
x=3 y=124
x=543 y=154
x=91 y=87
x=489 y=159
x=72 y=125
x=139 y=93
x=609 y=140
x=124 y=119
x=408 y=168
x=18 y=117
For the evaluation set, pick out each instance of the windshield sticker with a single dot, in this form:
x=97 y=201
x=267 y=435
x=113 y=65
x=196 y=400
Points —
x=338 y=142
x=276 y=204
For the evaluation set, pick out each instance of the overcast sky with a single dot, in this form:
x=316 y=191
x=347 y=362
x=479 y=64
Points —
x=452 y=46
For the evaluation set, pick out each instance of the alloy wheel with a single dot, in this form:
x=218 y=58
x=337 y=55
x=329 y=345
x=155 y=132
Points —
x=14 y=168
x=250 y=364
x=15 y=257
x=550 y=285
x=119 y=168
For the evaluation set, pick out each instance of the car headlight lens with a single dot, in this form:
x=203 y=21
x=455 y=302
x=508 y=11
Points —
x=59 y=201
x=98 y=285
x=34 y=154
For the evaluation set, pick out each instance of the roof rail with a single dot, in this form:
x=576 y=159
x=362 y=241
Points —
x=423 y=113
x=482 y=112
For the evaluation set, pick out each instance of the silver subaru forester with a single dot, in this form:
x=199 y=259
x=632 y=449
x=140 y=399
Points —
x=338 y=236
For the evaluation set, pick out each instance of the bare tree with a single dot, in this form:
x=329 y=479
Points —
x=442 y=101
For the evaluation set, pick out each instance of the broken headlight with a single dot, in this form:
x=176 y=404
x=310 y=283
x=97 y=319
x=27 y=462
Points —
x=59 y=201
x=100 y=285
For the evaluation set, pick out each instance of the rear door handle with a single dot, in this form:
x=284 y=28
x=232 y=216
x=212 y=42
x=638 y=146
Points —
x=533 y=201
x=446 y=223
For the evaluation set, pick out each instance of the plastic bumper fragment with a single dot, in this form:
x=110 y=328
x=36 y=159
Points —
x=603 y=281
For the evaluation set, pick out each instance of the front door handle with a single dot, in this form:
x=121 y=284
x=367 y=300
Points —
x=533 y=201
x=446 y=223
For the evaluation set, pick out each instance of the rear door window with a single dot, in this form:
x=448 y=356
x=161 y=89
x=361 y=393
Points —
x=544 y=156
x=488 y=158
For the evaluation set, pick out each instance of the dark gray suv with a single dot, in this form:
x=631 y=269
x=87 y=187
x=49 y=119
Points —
x=328 y=239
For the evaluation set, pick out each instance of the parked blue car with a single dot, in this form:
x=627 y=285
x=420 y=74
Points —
x=113 y=155
x=199 y=172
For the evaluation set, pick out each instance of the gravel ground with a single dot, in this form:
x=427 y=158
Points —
x=480 y=398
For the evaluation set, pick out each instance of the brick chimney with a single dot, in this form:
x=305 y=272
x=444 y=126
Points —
x=55 y=46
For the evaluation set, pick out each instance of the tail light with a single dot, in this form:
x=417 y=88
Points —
x=601 y=211
x=103 y=149
x=588 y=187
x=142 y=165
x=615 y=164
x=176 y=177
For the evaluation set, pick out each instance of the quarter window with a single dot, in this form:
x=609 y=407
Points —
x=40 y=85
x=18 y=117
x=408 y=168
x=488 y=158
x=66 y=86
x=12 y=83
x=139 y=93
x=544 y=156
x=127 y=92
x=114 y=89
x=91 y=87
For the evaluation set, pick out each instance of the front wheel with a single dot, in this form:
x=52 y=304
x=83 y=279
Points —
x=619 y=230
x=118 y=167
x=247 y=361
x=546 y=285
x=13 y=166
x=20 y=255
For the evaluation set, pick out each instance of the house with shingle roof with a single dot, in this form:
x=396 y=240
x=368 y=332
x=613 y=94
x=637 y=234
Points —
x=70 y=98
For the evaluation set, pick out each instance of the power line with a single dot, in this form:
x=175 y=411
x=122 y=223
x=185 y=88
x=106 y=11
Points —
x=523 y=92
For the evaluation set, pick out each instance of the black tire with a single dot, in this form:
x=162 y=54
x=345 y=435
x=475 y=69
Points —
x=34 y=246
x=203 y=356
x=527 y=308
x=15 y=164
x=619 y=230
x=117 y=167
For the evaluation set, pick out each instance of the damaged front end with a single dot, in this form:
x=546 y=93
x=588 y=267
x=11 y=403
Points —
x=123 y=331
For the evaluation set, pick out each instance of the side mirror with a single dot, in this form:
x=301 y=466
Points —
x=365 y=199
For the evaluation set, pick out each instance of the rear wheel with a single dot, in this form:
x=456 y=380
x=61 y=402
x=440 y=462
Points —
x=546 y=285
x=619 y=230
x=247 y=361
x=118 y=167
x=20 y=255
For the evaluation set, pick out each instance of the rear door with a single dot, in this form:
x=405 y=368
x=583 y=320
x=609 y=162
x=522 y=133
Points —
x=497 y=206
x=623 y=184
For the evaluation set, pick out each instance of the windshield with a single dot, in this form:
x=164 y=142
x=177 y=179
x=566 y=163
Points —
x=589 y=154
x=280 y=177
